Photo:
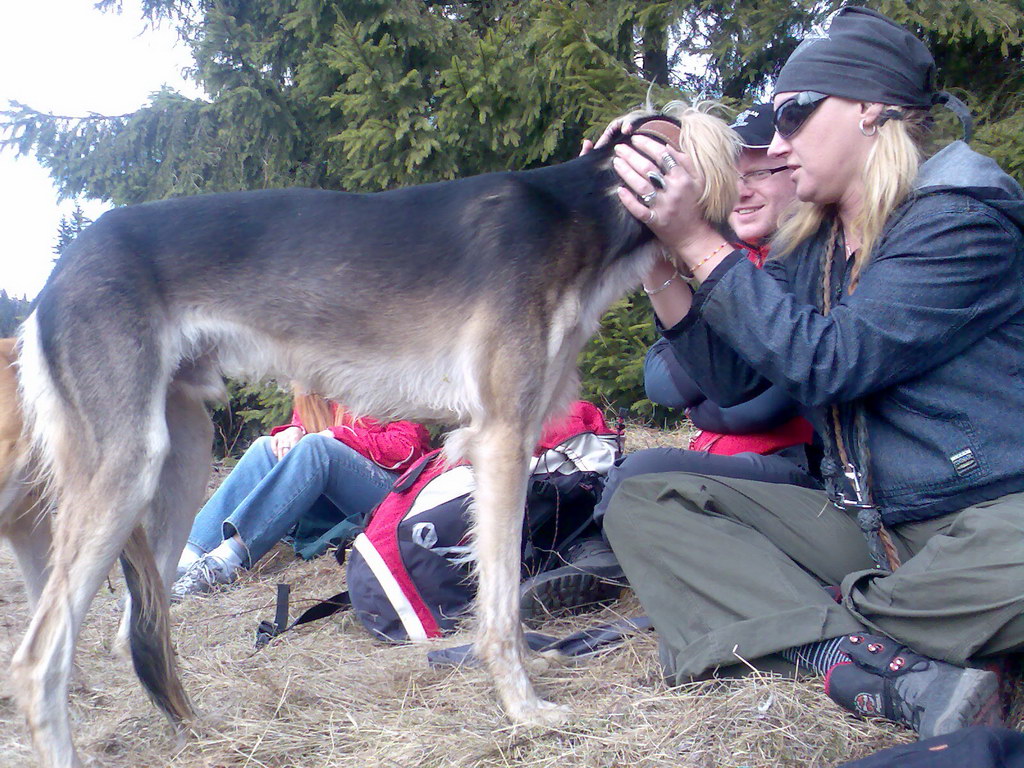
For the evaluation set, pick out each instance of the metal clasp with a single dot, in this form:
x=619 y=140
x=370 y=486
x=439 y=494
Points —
x=860 y=500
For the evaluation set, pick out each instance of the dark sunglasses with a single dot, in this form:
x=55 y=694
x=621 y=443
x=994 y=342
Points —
x=791 y=114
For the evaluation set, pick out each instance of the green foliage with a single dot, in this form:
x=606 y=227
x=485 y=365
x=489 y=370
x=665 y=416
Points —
x=251 y=411
x=612 y=362
x=69 y=228
x=371 y=94
x=12 y=312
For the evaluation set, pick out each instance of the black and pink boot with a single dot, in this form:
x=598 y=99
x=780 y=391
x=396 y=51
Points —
x=885 y=679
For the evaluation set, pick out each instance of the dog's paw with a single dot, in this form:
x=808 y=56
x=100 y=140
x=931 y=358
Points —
x=541 y=662
x=542 y=713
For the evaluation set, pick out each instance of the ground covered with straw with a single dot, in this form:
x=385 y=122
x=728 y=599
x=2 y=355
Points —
x=329 y=695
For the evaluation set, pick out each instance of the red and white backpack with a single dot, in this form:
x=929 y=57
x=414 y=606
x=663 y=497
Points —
x=409 y=572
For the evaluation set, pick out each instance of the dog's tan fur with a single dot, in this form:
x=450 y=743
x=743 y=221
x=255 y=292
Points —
x=116 y=416
x=23 y=520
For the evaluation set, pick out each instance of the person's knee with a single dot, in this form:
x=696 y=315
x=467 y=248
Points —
x=639 y=497
x=310 y=446
x=618 y=516
x=261 y=444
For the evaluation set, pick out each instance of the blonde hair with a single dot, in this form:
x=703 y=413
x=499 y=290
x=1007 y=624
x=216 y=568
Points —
x=713 y=149
x=888 y=176
x=316 y=413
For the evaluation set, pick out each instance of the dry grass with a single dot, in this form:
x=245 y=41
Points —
x=329 y=695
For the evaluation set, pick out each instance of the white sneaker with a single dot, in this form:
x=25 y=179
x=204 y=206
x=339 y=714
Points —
x=204 y=575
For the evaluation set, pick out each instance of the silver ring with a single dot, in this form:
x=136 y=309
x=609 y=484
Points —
x=649 y=197
x=656 y=179
x=652 y=217
x=668 y=162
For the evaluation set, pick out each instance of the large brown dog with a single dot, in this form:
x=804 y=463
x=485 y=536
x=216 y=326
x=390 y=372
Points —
x=464 y=302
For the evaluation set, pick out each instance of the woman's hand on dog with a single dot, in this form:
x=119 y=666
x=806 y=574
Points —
x=673 y=214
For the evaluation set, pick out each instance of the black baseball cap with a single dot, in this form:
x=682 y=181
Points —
x=755 y=126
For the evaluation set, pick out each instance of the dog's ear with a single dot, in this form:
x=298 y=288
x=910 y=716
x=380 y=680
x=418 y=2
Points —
x=711 y=144
x=667 y=130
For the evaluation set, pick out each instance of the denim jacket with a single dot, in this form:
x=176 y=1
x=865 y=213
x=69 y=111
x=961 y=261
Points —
x=929 y=347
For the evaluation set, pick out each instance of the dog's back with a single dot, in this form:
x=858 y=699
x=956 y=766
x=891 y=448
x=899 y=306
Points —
x=299 y=284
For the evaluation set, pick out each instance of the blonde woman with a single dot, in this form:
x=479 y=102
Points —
x=324 y=460
x=893 y=311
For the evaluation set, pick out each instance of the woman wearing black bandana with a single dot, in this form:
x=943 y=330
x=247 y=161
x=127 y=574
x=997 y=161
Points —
x=893 y=311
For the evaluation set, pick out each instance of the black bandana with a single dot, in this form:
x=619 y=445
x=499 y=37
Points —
x=862 y=55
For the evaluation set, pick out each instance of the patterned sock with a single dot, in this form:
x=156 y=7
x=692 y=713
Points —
x=820 y=656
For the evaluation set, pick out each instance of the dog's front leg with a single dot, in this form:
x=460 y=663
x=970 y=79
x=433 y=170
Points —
x=500 y=462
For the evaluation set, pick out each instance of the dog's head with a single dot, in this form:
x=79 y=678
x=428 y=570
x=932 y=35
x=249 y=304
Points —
x=712 y=146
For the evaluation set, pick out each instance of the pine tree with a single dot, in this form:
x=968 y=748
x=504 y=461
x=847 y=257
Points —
x=13 y=311
x=69 y=228
x=366 y=95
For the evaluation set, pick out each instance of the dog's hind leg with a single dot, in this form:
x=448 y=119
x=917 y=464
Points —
x=107 y=453
x=186 y=470
x=89 y=533
x=500 y=454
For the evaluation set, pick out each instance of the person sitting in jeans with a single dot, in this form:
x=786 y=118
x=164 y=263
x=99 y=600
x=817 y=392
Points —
x=323 y=461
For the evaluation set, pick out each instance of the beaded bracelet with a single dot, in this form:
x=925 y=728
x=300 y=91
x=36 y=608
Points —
x=663 y=286
x=706 y=259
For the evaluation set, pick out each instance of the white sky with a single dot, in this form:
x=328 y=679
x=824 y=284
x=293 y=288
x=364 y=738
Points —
x=65 y=57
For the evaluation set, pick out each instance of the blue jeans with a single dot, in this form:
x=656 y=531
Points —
x=263 y=498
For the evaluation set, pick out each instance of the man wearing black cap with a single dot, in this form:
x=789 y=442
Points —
x=766 y=185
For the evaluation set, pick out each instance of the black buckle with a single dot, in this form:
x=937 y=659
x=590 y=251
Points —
x=268 y=630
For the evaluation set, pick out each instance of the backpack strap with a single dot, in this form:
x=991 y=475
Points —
x=267 y=630
x=339 y=535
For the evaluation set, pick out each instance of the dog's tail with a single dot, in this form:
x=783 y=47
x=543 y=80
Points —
x=149 y=630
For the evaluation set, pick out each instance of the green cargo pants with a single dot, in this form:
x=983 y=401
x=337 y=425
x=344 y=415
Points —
x=732 y=570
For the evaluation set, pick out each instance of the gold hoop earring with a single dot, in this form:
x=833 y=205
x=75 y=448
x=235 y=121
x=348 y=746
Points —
x=874 y=128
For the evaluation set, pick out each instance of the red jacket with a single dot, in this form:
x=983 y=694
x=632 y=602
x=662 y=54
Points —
x=394 y=446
